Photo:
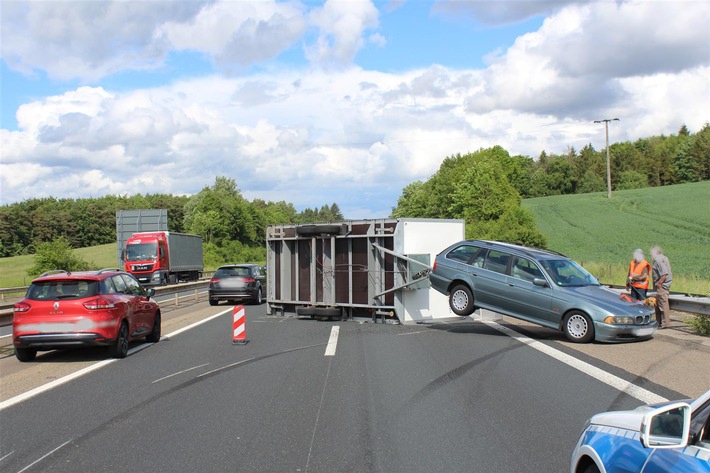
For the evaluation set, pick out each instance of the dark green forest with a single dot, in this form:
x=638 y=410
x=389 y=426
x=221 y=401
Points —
x=219 y=213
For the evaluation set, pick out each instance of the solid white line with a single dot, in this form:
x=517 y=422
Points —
x=179 y=372
x=43 y=457
x=1 y=459
x=65 y=379
x=614 y=381
x=332 y=341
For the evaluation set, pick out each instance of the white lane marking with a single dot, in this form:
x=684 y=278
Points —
x=179 y=372
x=417 y=332
x=224 y=367
x=71 y=376
x=43 y=457
x=614 y=381
x=4 y=457
x=332 y=341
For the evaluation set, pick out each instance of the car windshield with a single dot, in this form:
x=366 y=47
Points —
x=567 y=273
x=233 y=273
x=141 y=252
x=60 y=290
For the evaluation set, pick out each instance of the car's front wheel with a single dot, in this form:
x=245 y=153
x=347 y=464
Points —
x=25 y=354
x=461 y=300
x=578 y=327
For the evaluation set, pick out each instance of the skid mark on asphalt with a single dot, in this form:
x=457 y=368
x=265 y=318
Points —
x=44 y=456
x=179 y=373
x=614 y=381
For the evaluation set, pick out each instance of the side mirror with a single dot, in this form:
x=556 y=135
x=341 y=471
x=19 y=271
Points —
x=263 y=269
x=540 y=282
x=666 y=427
x=150 y=293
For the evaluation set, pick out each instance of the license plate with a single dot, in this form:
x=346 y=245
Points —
x=644 y=332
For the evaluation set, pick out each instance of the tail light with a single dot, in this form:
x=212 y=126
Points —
x=214 y=281
x=434 y=267
x=249 y=280
x=100 y=303
x=21 y=307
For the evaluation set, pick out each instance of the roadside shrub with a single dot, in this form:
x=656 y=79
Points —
x=56 y=254
x=700 y=323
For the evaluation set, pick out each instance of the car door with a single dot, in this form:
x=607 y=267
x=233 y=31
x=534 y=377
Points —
x=260 y=278
x=142 y=307
x=525 y=298
x=491 y=288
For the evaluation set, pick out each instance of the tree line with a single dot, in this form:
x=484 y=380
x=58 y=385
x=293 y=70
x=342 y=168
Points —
x=486 y=187
x=219 y=213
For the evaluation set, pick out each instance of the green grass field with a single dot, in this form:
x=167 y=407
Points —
x=602 y=233
x=13 y=270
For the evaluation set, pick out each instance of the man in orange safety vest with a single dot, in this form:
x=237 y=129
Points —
x=639 y=276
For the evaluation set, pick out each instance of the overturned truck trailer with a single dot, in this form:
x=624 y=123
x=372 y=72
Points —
x=360 y=268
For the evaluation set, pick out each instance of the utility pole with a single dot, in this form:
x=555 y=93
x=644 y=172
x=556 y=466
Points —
x=608 y=158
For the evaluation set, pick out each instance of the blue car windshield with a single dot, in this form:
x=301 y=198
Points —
x=567 y=273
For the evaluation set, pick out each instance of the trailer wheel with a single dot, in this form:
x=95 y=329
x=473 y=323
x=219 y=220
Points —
x=305 y=312
x=319 y=229
x=327 y=312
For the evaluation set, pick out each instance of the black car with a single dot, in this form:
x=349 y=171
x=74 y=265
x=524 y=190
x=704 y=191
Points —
x=238 y=282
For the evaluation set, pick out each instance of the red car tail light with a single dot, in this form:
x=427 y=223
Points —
x=100 y=303
x=434 y=268
x=21 y=307
x=249 y=280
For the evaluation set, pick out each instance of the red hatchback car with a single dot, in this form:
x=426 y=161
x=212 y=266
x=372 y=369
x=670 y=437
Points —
x=91 y=308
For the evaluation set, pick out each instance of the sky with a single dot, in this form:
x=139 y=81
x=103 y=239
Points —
x=343 y=101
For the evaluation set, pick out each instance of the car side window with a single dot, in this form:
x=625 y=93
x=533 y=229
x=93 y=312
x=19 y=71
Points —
x=119 y=283
x=133 y=286
x=255 y=271
x=523 y=268
x=496 y=261
x=106 y=286
x=462 y=253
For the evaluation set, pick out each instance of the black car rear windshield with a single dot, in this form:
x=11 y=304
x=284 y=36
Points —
x=62 y=290
x=233 y=273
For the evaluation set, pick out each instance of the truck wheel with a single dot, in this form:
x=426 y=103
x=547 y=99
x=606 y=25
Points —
x=461 y=300
x=578 y=327
x=25 y=354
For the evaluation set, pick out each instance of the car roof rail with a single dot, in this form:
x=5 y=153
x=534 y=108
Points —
x=106 y=270
x=54 y=271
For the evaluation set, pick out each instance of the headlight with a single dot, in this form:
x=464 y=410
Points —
x=619 y=320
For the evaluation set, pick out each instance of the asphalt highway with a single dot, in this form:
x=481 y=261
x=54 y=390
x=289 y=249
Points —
x=302 y=396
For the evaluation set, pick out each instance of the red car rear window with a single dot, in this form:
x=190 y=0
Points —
x=62 y=290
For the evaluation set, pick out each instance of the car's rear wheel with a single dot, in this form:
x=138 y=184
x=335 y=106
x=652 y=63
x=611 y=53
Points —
x=461 y=300
x=578 y=327
x=120 y=346
x=258 y=298
x=213 y=301
x=25 y=354
x=154 y=336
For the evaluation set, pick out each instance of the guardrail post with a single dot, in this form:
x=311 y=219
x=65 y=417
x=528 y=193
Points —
x=177 y=299
x=197 y=295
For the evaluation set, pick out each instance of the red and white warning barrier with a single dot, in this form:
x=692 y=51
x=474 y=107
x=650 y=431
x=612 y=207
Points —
x=239 y=325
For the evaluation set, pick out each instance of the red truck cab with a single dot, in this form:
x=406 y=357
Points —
x=147 y=257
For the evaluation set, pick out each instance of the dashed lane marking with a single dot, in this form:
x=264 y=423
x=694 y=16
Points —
x=332 y=341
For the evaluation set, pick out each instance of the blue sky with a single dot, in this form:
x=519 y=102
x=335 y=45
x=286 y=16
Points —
x=336 y=101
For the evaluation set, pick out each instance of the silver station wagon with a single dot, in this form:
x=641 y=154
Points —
x=538 y=286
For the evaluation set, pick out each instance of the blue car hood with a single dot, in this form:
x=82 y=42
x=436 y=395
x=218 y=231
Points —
x=608 y=300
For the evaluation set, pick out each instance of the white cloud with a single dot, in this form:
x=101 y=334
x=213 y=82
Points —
x=571 y=65
x=341 y=25
x=493 y=12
